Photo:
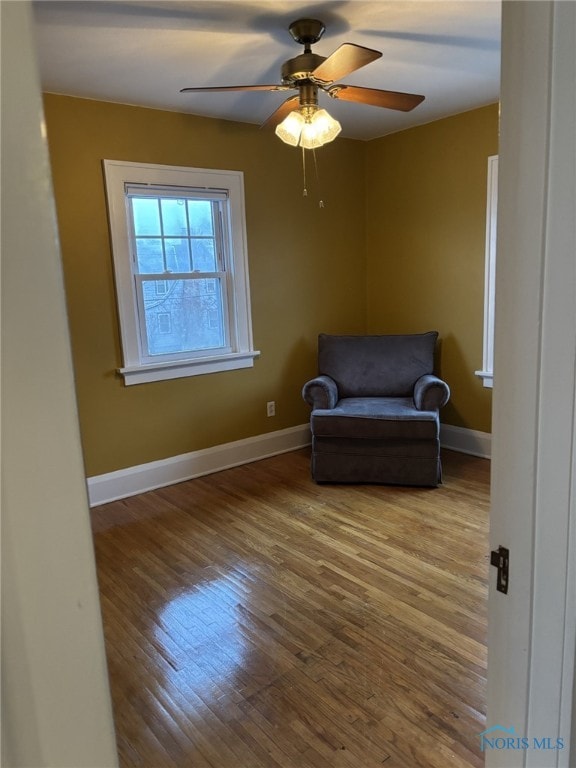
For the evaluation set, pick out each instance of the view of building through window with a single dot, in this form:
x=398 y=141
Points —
x=178 y=238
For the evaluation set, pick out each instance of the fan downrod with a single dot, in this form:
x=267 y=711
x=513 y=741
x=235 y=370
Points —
x=307 y=31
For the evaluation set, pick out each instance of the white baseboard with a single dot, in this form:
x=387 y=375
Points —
x=157 y=474
x=466 y=440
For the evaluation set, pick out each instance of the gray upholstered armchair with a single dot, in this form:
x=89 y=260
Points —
x=375 y=406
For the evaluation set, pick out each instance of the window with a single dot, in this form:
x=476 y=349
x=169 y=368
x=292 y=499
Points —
x=164 y=322
x=487 y=374
x=179 y=247
x=161 y=287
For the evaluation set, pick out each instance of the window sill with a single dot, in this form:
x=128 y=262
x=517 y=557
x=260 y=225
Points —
x=487 y=378
x=141 y=374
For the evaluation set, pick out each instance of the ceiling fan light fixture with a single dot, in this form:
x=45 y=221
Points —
x=303 y=124
x=290 y=129
x=320 y=129
x=310 y=130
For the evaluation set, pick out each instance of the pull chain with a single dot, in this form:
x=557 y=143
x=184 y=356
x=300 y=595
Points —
x=320 y=202
x=305 y=191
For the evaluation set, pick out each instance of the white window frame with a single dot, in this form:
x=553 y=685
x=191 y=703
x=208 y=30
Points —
x=487 y=372
x=138 y=369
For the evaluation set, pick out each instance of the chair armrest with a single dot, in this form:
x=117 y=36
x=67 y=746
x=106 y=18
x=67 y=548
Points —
x=430 y=393
x=321 y=392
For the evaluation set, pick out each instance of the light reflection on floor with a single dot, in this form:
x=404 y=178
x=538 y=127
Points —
x=211 y=632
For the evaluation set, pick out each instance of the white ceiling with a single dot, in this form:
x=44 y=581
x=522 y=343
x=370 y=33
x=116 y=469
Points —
x=144 y=52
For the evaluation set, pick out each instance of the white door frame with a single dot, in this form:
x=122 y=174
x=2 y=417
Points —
x=531 y=646
x=56 y=708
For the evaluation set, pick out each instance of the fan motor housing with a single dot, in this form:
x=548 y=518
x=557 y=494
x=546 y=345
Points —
x=300 y=67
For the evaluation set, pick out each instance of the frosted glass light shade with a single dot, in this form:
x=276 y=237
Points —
x=321 y=129
x=309 y=132
x=290 y=128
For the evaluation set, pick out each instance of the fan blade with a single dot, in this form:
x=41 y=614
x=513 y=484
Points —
x=283 y=110
x=377 y=98
x=237 y=88
x=348 y=58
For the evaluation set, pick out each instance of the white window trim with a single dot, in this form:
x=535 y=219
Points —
x=117 y=175
x=487 y=372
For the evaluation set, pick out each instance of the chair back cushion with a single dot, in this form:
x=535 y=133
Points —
x=376 y=366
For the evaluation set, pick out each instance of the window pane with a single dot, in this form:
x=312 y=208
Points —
x=161 y=287
x=177 y=255
x=146 y=216
x=149 y=254
x=174 y=217
x=203 y=255
x=200 y=217
x=164 y=322
x=195 y=316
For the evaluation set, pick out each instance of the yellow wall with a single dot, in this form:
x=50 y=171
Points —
x=425 y=233
x=307 y=274
x=399 y=247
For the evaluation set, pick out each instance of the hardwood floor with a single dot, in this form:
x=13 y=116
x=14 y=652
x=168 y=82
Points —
x=254 y=619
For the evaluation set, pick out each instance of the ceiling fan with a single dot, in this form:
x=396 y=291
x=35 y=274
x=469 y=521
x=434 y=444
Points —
x=299 y=120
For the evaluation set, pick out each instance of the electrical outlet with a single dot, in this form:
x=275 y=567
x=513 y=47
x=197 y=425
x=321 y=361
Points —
x=271 y=408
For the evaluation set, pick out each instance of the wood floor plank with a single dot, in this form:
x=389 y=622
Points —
x=254 y=619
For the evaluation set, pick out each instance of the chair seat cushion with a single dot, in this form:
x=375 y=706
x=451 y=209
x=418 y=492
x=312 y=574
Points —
x=376 y=418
